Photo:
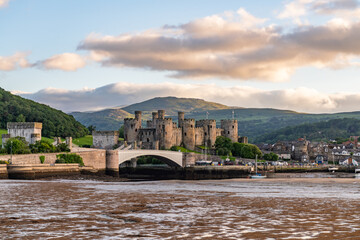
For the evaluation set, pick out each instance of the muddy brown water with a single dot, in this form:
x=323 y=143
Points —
x=223 y=209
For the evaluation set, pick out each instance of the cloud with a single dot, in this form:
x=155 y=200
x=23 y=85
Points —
x=340 y=8
x=234 y=45
x=64 y=61
x=298 y=99
x=18 y=60
x=4 y=3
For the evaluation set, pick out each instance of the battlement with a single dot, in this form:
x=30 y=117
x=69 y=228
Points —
x=24 y=125
x=105 y=133
x=189 y=120
x=229 y=121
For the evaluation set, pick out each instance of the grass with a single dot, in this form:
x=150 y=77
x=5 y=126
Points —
x=231 y=158
x=2 y=131
x=87 y=140
x=182 y=149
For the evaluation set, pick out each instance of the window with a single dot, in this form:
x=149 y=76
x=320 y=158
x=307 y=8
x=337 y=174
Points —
x=233 y=127
x=185 y=134
x=228 y=132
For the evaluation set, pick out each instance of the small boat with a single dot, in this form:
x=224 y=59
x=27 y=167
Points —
x=357 y=170
x=257 y=175
x=333 y=169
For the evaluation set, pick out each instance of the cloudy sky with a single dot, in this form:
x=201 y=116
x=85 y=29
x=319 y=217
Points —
x=85 y=55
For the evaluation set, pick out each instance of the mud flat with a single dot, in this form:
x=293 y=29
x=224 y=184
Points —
x=209 y=209
x=189 y=173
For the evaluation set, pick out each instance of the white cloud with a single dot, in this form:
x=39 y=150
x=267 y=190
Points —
x=234 y=45
x=4 y=3
x=64 y=61
x=298 y=99
x=18 y=60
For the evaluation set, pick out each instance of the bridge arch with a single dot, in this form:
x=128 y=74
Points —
x=173 y=159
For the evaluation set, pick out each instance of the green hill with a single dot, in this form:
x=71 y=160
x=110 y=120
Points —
x=108 y=119
x=55 y=123
x=173 y=105
x=253 y=122
x=112 y=119
x=320 y=131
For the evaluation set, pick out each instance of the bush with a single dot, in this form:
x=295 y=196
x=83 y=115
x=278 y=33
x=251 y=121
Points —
x=69 y=158
x=42 y=159
x=223 y=146
x=42 y=146
x=62 y=147
x=3 y=151
x=246 y=150
x=174 y=148
x=17 y=145
x=271 y=157
x=4 y=162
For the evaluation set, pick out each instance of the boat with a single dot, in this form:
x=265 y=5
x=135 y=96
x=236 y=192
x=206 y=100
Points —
x=357 y=170
x=257 y=175
x=333 y=168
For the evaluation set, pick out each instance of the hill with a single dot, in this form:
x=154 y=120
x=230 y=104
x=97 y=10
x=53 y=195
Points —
x=320 y=131
x=173 y=105
x=55 y=123
x=253 y=122
x=108 y=119
x=112 y=119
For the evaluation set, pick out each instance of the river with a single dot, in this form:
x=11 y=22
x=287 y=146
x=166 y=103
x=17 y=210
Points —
x=295 y=208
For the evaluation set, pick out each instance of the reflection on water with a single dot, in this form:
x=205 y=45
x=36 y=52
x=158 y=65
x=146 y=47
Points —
x=227 y=209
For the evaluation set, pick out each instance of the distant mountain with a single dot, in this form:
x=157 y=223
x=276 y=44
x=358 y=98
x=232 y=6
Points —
x=112 y=119
x=253 y=122
x=108 y=119
x=55 y=123
x=173 y=105
x=320 y=131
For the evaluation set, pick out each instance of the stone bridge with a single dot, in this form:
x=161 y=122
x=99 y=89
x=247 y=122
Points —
x=116 y=157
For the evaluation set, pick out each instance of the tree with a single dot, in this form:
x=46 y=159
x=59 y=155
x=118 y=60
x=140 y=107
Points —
x=271 y=156
x=121 y=131
x=17 y=145
x=223 y=146
x=91 y=128
x=246 y=150
x=42 y=146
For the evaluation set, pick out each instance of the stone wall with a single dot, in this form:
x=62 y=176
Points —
x=105 y=139
x=3 y=171
x=92 y=158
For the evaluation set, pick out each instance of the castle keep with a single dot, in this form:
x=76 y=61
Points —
x=163 y=133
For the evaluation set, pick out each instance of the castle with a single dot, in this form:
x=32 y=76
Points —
x=163 y=133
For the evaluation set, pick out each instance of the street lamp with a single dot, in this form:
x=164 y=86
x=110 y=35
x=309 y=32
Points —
x=11 y=143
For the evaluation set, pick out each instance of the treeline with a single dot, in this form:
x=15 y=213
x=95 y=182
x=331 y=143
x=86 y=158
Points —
x=225 y=147
x=55 y=123
x=320 y=131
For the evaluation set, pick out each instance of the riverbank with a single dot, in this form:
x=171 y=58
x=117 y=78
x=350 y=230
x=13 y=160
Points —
x=74 y=172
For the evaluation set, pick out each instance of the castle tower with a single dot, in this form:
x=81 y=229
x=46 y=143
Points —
x=230 y=129
x=131 y=127
x=181 y=117
x=209 y=127
x=164 y=133
x=189 y=133
x=161 y=114
x=138 y=115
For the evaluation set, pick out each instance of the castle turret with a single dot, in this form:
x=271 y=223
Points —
x=181 y=117
x=230 y=129
x=189 y=133
x=164 y=133
x=138 y=115
x=209 y=127
x=161 y=114
x=131 y=127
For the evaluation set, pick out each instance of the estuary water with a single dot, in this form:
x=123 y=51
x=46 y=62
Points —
x=321 y=208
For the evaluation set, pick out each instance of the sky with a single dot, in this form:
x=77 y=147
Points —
x=87 y=55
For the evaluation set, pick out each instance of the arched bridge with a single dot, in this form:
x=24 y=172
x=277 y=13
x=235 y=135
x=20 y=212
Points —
x=174 y=159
